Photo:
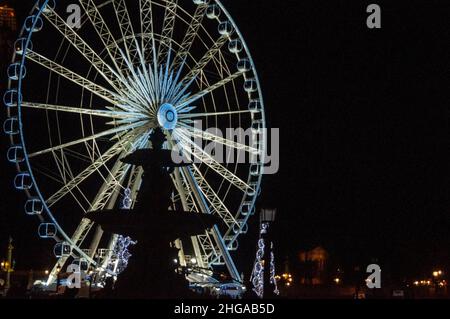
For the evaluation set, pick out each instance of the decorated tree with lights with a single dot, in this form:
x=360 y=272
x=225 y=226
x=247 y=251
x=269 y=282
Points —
x=263 y=276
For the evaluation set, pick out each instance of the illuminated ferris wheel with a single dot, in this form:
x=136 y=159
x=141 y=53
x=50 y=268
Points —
x=88 y=87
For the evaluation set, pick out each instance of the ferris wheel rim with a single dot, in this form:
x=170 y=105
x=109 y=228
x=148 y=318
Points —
x=30 y=168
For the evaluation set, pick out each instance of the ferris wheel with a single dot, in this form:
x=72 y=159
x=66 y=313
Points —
x=83 y=93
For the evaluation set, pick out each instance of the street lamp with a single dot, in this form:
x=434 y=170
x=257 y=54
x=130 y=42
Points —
x=436 y=275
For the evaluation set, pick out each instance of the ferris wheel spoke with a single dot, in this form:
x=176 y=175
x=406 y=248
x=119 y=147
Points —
x=138 y=83
x=209 y=248
x=111 y=184
x=146 y=11
x=86 y=139
x=216 y=204
x=74 y=77
x=70 y=35
x=135 y=180
x=190 y=36
x=62 y=165
x=79 y=156
x=47 y=173
x=191 y=99
x=146 y=76
x=165 y=46
x=184 y=191
x=203 y=62
x=182 y=116
x=101 y=161
x=126 y=28
x=110 y=187
x=167 y=79
x=134 y=101
x=208 y=136
x=77 y=110
x=192 y=149
x=103 y=32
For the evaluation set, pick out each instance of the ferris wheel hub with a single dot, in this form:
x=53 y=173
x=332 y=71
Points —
x=167 y=116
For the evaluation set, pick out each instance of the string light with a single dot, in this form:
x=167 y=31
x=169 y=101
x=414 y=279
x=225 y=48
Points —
x=273 y=280
x=127 y=200
x=258 y=270
x=120 y=254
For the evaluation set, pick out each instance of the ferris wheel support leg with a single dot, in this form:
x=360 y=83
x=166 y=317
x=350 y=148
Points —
x=215 y=231
x=95 y=241
x=134 y=184
x=195 y=244
x=179 y=245
x=181 y=191
x=198 y=253
x=226 y=254
x=112 y=243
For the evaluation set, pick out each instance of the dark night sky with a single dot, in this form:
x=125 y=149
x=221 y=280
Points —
x=364 y=124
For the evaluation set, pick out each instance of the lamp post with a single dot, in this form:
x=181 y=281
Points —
x=436 y=276
x=267 y=218
x=58 y=270
x=263 y=274
x=8 y=267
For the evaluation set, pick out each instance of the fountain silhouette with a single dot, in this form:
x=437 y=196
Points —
x=151 y=272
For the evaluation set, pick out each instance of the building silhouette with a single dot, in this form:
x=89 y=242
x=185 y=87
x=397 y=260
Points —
x=8 y=19
x=8 y=34
x=314 y=264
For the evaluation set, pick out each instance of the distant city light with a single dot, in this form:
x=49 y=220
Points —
x=7 y=18
x=285 y=278
x=437 y=273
